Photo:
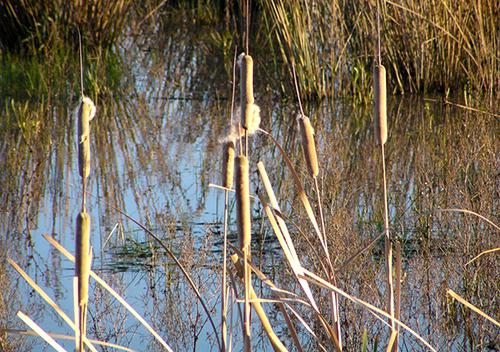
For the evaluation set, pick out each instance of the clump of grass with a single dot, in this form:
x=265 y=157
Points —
x=33 y=24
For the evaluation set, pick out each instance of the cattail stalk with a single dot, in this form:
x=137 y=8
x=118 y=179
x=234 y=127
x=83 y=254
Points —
x=309 y=149
x=82 y=268
x=86 y=112
x=380 y=118
x=228 y=165
x=307 y=134
x=244 y=230
x=227 y=182
x=246 y=86
x=398 y=291
x=380 y=96
x=273 y=338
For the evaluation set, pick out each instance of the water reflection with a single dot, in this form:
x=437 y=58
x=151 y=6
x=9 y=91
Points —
x=154 y=152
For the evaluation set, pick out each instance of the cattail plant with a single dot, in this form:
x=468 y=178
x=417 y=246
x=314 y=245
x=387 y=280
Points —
x=380 y=119
x=308 y=147
x=246 y=86
x=227 y=183
x=82 y=269
x=380 y=97
x=85 y=113
x=228 y=165
x=244 y=231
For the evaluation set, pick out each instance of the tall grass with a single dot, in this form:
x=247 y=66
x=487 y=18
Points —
x=36 y=24
x=436 y=45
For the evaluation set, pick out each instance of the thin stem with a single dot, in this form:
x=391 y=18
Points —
x=322 y=219
x=297 y=88
x=81 y=60
x=247 y=24
x=388 y=247
x=379 y=55
x=224 y=273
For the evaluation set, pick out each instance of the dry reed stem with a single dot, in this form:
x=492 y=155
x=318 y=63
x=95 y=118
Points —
x=307 y=134
x=315 y=279
x=282 y=233
x=472 y=307
x=108 y=288
x=388 y=249
x=301 y=194
x=294 y=298
x=244 y=229
x=380 y=92
x=309 y=150
x=36 y=328
x=67 y=337
x=273 y=338
x=493 y=250
x=50 y=302
x=399 y=269
x=180 y=266
x=82 y=269
x=246 y=86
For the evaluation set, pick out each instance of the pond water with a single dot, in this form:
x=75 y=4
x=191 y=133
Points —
x=156 y=152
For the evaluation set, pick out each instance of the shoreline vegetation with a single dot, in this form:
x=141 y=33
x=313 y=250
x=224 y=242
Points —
x=335 y=274
x=429 y=47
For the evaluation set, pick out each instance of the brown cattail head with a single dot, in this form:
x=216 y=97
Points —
x=246 y=85
x=228 y=165
x=82 y=260
x=380 y=92
x=86 y=112
x=243 y=203
x=307 y=134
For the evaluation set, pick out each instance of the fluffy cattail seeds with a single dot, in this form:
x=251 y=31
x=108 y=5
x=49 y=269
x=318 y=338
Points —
x=307 y=134
x=228 y=165
x=379 y=87
x=246 y=85
x=86 y=112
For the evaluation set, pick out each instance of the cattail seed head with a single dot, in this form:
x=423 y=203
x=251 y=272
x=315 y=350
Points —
x=243 y=203
x=228 y=165
x=380 y=96
x=307 y=134
x=82 y=260
x=246 y=86
x=86 y=112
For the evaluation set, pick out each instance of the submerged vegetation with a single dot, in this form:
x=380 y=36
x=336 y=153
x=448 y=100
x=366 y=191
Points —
x=311 y=190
